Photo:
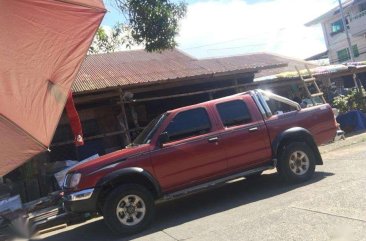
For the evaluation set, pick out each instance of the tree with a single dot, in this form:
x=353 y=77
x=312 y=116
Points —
x=151 y=23
x=109 y=40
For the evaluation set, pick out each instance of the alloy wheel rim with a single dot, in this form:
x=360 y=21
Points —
x=299 y=163
x=131 y=210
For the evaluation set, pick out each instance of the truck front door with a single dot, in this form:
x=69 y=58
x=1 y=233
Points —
x=193 y=152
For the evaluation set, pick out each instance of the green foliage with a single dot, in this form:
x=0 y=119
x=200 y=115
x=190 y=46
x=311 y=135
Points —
x=352 y=101
x=293 y=74
x=152 y=23
x=341 y=103
x=106 y=41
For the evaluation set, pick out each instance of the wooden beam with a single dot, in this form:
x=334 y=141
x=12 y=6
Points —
x=248 y=85
x=207 y=79
x=82 y=99
x=113 y=133
x=88 y=138
x=184 y=94
x=124 y=116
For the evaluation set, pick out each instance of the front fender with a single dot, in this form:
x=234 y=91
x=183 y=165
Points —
x=129 y=171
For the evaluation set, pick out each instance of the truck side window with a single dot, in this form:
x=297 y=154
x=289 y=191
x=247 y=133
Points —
x=234 y=113
x=278 y=107
x=189 y=123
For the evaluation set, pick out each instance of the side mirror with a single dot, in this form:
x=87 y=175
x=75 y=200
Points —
x=163 y=138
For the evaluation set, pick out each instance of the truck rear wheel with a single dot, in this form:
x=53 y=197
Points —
x=129 y=209
x=296 y=162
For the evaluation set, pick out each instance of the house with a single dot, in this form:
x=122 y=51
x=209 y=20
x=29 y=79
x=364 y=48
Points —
x=334 y=31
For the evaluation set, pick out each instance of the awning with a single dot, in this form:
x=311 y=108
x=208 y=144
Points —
x=42 y=45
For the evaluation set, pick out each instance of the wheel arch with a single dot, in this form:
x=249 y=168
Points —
x=292 y=135
x=130 y=175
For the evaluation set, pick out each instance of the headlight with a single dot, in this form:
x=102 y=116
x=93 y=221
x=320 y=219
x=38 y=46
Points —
x=72 y=180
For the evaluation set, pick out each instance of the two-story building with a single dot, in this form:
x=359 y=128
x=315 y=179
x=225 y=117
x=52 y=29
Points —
x=334 y=31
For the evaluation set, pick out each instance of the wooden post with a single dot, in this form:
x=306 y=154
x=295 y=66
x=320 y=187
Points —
x=134 y=116
x=124 y=116
x=236 y=85
x=210 y=95
x=357 y=84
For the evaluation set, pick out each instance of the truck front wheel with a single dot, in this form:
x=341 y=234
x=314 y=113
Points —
x=296 y=162
x=128 y=209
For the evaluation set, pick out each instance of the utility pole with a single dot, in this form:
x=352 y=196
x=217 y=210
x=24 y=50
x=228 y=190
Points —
x=346 y=29
x=350 y=49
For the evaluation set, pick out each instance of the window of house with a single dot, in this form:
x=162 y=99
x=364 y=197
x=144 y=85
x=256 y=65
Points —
x=343 y=55
x=337 y=27
x=189 y=123
x=234 y=113
x=355 y=51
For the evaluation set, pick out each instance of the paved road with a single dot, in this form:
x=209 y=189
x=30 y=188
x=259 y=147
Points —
x=330 y=207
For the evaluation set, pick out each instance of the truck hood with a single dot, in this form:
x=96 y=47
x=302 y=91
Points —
x=117 y=156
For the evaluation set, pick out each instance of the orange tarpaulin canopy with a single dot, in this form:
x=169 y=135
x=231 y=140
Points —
x=42 y=45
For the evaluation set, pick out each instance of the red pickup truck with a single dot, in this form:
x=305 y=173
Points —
x=193 y=148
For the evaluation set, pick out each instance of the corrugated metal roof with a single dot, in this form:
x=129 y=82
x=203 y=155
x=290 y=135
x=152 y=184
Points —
x=255 y=60
x=138 y=67
x=134 y=67
x=275 y=58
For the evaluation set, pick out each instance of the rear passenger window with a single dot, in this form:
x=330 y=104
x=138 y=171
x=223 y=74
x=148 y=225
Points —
x=189 y=123
x=234 y=113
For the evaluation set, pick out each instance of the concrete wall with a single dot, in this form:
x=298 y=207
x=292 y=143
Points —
x=337 y=42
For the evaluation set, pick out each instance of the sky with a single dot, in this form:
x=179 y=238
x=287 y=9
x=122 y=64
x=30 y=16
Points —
x=214 y=28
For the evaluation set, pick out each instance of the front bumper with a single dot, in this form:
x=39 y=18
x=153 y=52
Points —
x=82 y=201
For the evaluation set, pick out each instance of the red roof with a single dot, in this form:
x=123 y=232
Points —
x=139 y=67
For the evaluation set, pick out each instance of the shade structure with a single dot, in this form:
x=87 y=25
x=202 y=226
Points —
x=42 y=45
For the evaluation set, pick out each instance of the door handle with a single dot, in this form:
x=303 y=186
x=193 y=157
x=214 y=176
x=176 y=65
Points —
x=213 y=139
x=253 y=129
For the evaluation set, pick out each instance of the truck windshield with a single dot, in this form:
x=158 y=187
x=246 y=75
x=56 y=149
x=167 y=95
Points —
x=146 y=135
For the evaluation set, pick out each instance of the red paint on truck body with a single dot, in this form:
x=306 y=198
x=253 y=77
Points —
x=189 y=161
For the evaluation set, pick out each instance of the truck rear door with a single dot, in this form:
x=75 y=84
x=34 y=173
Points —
x=244 y=135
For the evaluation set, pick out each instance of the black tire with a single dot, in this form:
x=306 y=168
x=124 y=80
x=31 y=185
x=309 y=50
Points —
x=254 y=176
x=116 y=197
x=300 y=170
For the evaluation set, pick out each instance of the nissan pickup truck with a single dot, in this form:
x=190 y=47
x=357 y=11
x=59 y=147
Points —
x=190 y=149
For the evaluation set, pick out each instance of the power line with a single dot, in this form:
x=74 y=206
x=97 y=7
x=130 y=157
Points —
x=232 y=40
x=237 y=47
x=346 y=29
x=212 y=44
